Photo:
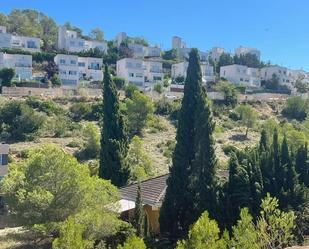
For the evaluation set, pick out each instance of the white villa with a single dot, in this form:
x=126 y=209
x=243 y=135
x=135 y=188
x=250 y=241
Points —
x=140 y=72
x=22 y=64
x=4 y=152
x=245 y=50
x=72 y=69
x=8 y=40
x=69 y=41
x=241 y=75
x=180 y=70
x=286 y=76
x=215 y=53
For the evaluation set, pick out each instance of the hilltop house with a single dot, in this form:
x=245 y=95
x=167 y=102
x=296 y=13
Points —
x=245 y=50
x=22 y=64
x=285 y=76
x=140 y=72
x=180 y=70
x=7 y=40
x=241 y=75
x=68 y=40
x=72 y=69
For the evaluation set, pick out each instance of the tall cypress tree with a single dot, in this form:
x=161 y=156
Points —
x=139 y=214
x=189 y=156
x=276 y=164
x=263 y=142
x=302 y=165
x=114 y=143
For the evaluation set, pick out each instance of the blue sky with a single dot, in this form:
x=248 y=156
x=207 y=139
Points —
x=279 y=28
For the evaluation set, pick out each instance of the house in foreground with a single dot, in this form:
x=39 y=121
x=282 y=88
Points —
x=21 y=63
x=153 y=193
x=73 y=69
x=7 y=40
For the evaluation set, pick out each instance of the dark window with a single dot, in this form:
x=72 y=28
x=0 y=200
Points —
x=4 y=160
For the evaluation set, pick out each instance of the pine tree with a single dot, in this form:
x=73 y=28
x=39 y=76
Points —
x=139 y=214
x=192 y=147
x=114 y=144
x=263 y=146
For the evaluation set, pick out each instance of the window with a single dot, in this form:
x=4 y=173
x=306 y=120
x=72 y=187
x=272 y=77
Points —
x=131 y=74
x=81 y=64
x=157 y=78
x=241 y=79
x=3 y=159
x=31 y=44
x=62 y=61
x=73 y=62
x=72 y=72
x=139 y=75
x=94 y=66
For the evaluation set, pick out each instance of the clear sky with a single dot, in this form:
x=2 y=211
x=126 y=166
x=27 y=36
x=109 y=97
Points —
x=279 y=28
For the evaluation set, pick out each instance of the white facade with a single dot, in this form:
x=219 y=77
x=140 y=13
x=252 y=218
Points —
x=180 y=70
x=72 y=69
x=132 y=70
x=215 y=53
x=4 y=152
x=7 y=40
x=177 y=43
x=139 y=72
x=241 y=75
x=69 y=41
x=153 y=71
x=285 y=76
x=140 y=51
x=152 y=52
x=245 y=50
x=122 y=36
x=22 y=64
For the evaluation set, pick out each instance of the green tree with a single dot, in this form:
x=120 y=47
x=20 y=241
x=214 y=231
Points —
x=158 y=88
x=119 y=82
x=139 y=214
x=224 y=60
x=6 y=76
x=302 y=164
x=129 y=90
x=229 y=93
x=140 y=164
x=133 y=243
x=71 y=236
x=273 y=83
x=205 y=234
x=139 y=108
x=295 y=108
x=247 y=116
x=97 y=34
x=114 y=143
x=193 y=148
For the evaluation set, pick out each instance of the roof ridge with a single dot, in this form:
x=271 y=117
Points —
x=144 y=181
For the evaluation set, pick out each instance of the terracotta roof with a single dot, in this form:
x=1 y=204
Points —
x=153 y=190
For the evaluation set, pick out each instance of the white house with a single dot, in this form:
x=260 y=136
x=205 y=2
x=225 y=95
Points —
x=72 y=69
x=139 y=72
x=8 y=40
x=177 y=43
x=180 y=70
x=4 y=152
x=22 y=64
x=132 y=70
x=69 y=41
x=122 y=36
x=284 y=75
x=152 y=52
x=241 y=75
x=215 y=53
x=153 y=71
x=246 y=50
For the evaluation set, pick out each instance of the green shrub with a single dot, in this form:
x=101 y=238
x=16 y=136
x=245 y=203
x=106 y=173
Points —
x=119 y=82
x=295 y=108
x=79 y=111
x=228 y=149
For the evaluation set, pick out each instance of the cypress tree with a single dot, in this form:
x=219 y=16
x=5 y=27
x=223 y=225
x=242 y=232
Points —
x=239 y=187
x=189 y=158
x=263 y=142
x=114 y=143
x=203 y=172
x=139 y=214
x=276 y=164
x=302 y=165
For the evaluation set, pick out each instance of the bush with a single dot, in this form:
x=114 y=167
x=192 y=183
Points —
x=79 y=111
x=47 y=106
x=119 y=82
x=6 y=76
x=158 y=88
x=55 y=80
x=228 y=149
x=19 y=120
x=295 y=108
x=129 y=90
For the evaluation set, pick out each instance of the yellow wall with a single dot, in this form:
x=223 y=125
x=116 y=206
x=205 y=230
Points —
x=153 y=219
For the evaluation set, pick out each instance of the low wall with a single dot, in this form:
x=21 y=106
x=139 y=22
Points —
x=50 y=92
